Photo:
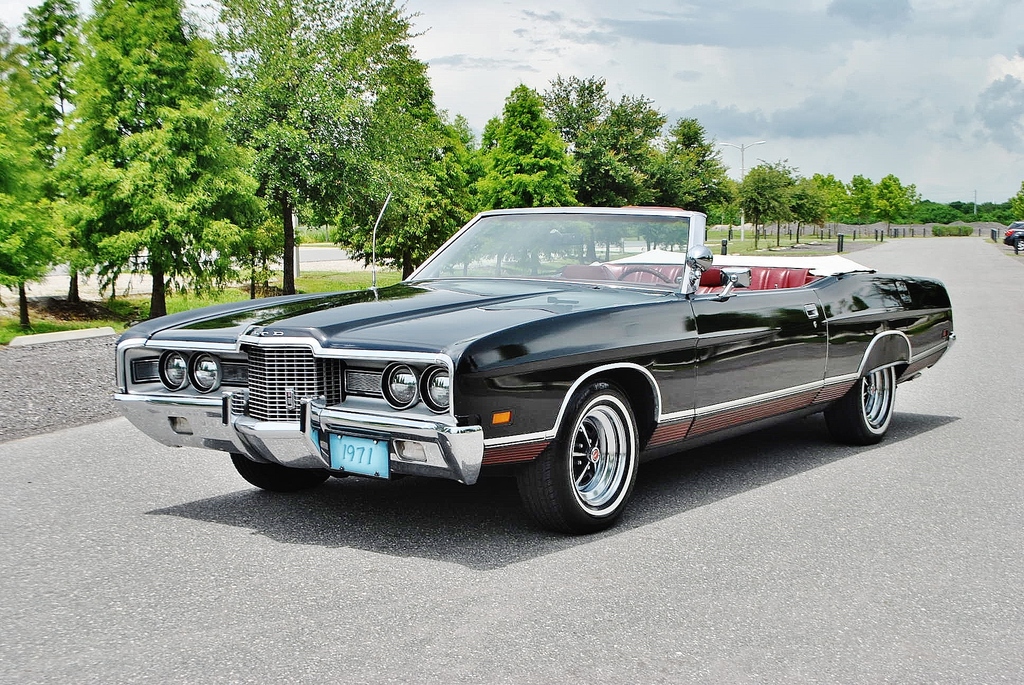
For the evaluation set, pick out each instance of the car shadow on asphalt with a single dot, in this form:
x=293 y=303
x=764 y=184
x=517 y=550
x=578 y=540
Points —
x=484 y=527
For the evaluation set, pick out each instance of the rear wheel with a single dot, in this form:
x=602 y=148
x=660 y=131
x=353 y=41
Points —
x=862 y=415
x=275 y=477
x=581 y=482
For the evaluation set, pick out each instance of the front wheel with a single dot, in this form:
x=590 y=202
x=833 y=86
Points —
x=275 y=477
x=862 y=415
x=581 y=482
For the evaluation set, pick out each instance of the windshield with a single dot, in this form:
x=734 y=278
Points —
x=550 y=245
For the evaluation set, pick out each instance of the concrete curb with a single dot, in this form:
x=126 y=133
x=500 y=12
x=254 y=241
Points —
x=60 y=336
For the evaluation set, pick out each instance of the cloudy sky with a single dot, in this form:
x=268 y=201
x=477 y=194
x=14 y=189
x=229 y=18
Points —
x=930 y=90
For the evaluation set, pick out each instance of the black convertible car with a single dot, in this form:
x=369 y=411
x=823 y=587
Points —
x=515 y=347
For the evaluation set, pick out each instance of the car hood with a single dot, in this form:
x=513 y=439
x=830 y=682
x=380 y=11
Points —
x=433 y=316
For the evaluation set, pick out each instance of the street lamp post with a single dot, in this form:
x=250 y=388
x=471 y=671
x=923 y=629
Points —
x=743 y=175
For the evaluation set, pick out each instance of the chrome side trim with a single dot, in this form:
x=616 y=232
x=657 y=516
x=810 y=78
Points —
x=522 y=438
x=758 y=399
x=930 y=351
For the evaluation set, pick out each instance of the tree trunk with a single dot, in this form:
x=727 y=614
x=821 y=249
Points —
x=407 y=265
x=288 y=284
x=73 y=296
x=158 y=300
x=23 y=306
x=252 y=274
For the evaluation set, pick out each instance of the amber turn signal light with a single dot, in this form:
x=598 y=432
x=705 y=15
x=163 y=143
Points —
x=500 y=418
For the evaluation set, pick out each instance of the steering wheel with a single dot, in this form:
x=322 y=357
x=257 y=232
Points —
x=645 y=269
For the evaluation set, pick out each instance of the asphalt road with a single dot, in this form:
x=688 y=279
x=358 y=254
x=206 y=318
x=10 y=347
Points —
x=778 y=557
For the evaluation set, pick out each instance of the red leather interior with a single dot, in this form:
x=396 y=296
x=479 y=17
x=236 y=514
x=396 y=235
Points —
x=761 y=277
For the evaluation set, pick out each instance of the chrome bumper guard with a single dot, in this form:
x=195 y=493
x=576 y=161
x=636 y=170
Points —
x=416 y=446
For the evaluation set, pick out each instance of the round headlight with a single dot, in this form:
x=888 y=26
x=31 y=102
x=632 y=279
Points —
x=400 y=386
x=206 y=372
x=437 y=389
x=173 y=370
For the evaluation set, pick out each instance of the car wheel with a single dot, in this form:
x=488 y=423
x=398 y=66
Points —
x=581 y=482
x=1019 y=247
x=862 y=415
x=275 y=477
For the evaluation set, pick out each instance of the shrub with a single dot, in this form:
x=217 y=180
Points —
x=952 y=230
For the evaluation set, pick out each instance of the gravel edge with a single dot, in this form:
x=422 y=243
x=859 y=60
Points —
x=56 y=385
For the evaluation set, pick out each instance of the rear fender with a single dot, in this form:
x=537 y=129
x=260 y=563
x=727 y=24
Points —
x=891 y=348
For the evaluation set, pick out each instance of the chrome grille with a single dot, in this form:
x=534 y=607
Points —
x=362 y=382
x=280 y=377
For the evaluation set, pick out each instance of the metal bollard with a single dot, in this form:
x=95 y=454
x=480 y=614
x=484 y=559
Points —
x=725 y=246
x=839 y=242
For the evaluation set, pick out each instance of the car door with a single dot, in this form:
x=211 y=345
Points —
x=759 y=353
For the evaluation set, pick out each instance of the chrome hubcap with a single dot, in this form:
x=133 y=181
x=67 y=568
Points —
x=876 y=397
x=600 y=455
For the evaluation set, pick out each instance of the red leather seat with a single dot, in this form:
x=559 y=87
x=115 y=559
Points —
x=671 y=273
x=770 y=278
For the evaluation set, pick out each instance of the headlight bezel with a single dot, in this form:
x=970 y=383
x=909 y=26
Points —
x=391 y=374
x=441 y=376
x=194 y=372
x=166 y=378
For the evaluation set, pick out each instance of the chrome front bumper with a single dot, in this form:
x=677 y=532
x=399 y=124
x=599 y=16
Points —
x=416 y=446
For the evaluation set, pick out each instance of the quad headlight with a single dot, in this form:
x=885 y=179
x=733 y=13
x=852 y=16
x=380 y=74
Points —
x=436 y=389
x=205 y=372
x=400 y=386
x=173 y=370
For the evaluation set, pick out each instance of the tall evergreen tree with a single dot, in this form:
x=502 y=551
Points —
x=26 y=244
x=158 y=178
x=689 y=172
x=527 y=165
x=53 y=43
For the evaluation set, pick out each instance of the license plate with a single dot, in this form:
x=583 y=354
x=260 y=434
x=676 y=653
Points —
x=359 y=455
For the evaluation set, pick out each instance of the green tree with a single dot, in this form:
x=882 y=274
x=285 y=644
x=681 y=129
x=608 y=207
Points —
x=809 y=204
x=158 y=179
x=53 y=54
x=311 y=81
x=835 y=195
x=26 y=244
x=527 y=165
x=611 y=143
x=689 y=172
x=616 y=156
x=765 y=196
x=893 y=200
x=1017 y=202
x=861 y=207
x=576 y=105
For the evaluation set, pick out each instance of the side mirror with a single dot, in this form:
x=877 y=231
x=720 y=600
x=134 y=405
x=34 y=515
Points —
x=734 y=278
x=699 y=259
